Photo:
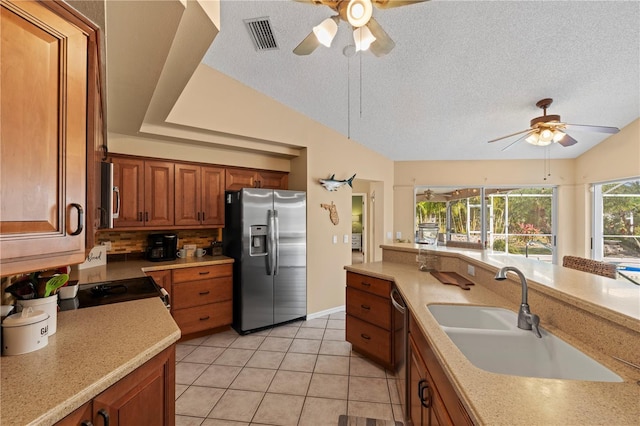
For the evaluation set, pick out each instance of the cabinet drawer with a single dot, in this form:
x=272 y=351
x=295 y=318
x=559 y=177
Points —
x=369 y=284
x=369 y=340
x=201 y=292
x=369 y=307
x=204 y=317
x=202 y=272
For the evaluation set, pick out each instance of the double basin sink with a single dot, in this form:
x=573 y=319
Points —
x=490 y=339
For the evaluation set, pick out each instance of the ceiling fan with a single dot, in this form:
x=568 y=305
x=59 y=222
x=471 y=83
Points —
x=367 y=33
x=547 y=129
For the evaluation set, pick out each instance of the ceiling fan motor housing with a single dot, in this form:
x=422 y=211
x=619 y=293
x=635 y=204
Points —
x=536 y=122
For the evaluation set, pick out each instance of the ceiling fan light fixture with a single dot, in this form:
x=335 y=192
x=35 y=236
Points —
x=359 y=12
x=537 y=138
x=546 y=137
x=363 y=38
x=558 y=135
x=326 y=31
x=532 y=139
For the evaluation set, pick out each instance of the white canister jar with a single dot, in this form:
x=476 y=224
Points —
x=25 y=332
x=47 y=304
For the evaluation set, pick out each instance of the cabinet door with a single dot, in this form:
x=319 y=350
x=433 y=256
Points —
x=128 y=177
x=272 y=180
x=212 y=196
x=236 y=179
x=158 y=193
x=144 y=397
x=416 y=382
x=43 y=138
x=188 y=207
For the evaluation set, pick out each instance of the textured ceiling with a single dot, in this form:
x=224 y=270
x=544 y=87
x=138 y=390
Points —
x=462 y=72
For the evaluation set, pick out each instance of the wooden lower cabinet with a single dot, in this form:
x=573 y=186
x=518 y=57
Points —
x=369 y=324
x=202 y=297
x=144 y=397
x=432 y=399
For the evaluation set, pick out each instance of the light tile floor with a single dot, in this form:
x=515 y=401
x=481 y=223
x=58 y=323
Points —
x=303 y=373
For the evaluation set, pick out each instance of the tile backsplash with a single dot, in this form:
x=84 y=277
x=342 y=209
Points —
x=124 y=242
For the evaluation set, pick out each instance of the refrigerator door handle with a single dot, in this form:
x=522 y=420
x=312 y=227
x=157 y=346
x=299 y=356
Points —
x=271 y=243
x=277 y=241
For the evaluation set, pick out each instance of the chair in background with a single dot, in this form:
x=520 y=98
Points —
x=591 y=266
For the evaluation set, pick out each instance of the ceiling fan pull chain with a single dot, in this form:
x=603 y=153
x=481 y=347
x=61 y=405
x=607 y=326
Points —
x=348 y=98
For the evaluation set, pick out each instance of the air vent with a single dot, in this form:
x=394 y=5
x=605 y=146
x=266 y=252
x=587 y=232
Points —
x=261 y=34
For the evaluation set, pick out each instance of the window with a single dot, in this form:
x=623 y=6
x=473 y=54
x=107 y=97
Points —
x=521 y=222
x=616 y=236
x=517 y=221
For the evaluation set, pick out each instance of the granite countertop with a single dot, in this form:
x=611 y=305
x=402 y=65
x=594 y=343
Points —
x=92 y=349
x=136 y=268
x=503 y=399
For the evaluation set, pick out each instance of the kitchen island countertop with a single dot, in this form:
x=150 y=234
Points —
x=92 y=349
x=504 y=399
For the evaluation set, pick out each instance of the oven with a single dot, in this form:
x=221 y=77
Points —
x=116 y=291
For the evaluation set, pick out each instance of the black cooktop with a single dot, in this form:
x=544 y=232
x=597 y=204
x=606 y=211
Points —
x=109 y=292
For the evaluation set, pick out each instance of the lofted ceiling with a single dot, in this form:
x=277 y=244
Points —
x=462 y=72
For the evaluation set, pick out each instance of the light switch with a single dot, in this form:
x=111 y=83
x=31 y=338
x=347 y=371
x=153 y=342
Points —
x=335 y=239
x=389 y=235
x=345 y=239
x=398 y=235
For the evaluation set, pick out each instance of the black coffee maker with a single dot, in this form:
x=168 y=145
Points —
x=162 y=247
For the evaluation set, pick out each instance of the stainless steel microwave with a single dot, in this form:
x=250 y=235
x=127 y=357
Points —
x=109 y=196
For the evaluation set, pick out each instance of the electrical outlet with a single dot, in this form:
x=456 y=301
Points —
x=107 y=244
x=471 y=270
x=389 y=236
x=345 y=239
x=335 y=239
x=398 y=235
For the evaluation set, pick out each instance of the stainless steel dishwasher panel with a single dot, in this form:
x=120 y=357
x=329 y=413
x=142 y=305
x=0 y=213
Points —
x=400 y=330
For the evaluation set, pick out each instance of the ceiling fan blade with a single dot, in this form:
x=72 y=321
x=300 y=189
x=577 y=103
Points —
x=383 y=43
x=308 y=45
x=519 y=139
x=567 y=141
x=387 y=4
x=317 y=2
x=589 y=128
x=508 y=136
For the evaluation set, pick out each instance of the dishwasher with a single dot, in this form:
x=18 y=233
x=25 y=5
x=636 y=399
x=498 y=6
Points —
x=400 y=330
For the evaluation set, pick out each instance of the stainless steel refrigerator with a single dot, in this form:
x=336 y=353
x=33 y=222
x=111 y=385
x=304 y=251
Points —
x=266 y=234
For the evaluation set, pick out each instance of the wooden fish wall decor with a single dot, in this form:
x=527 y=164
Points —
x=333 y=212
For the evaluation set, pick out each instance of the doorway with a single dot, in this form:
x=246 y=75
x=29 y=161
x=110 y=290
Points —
x=358 y=227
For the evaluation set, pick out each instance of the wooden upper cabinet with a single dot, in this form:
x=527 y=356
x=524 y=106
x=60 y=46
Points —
x=237 y=179
x=145 y=190
x=272 y=180
x=199 y=195
x=213 y=196
x=128 y=178
x=187 y=190
x=158 y=193
x=43 y=137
